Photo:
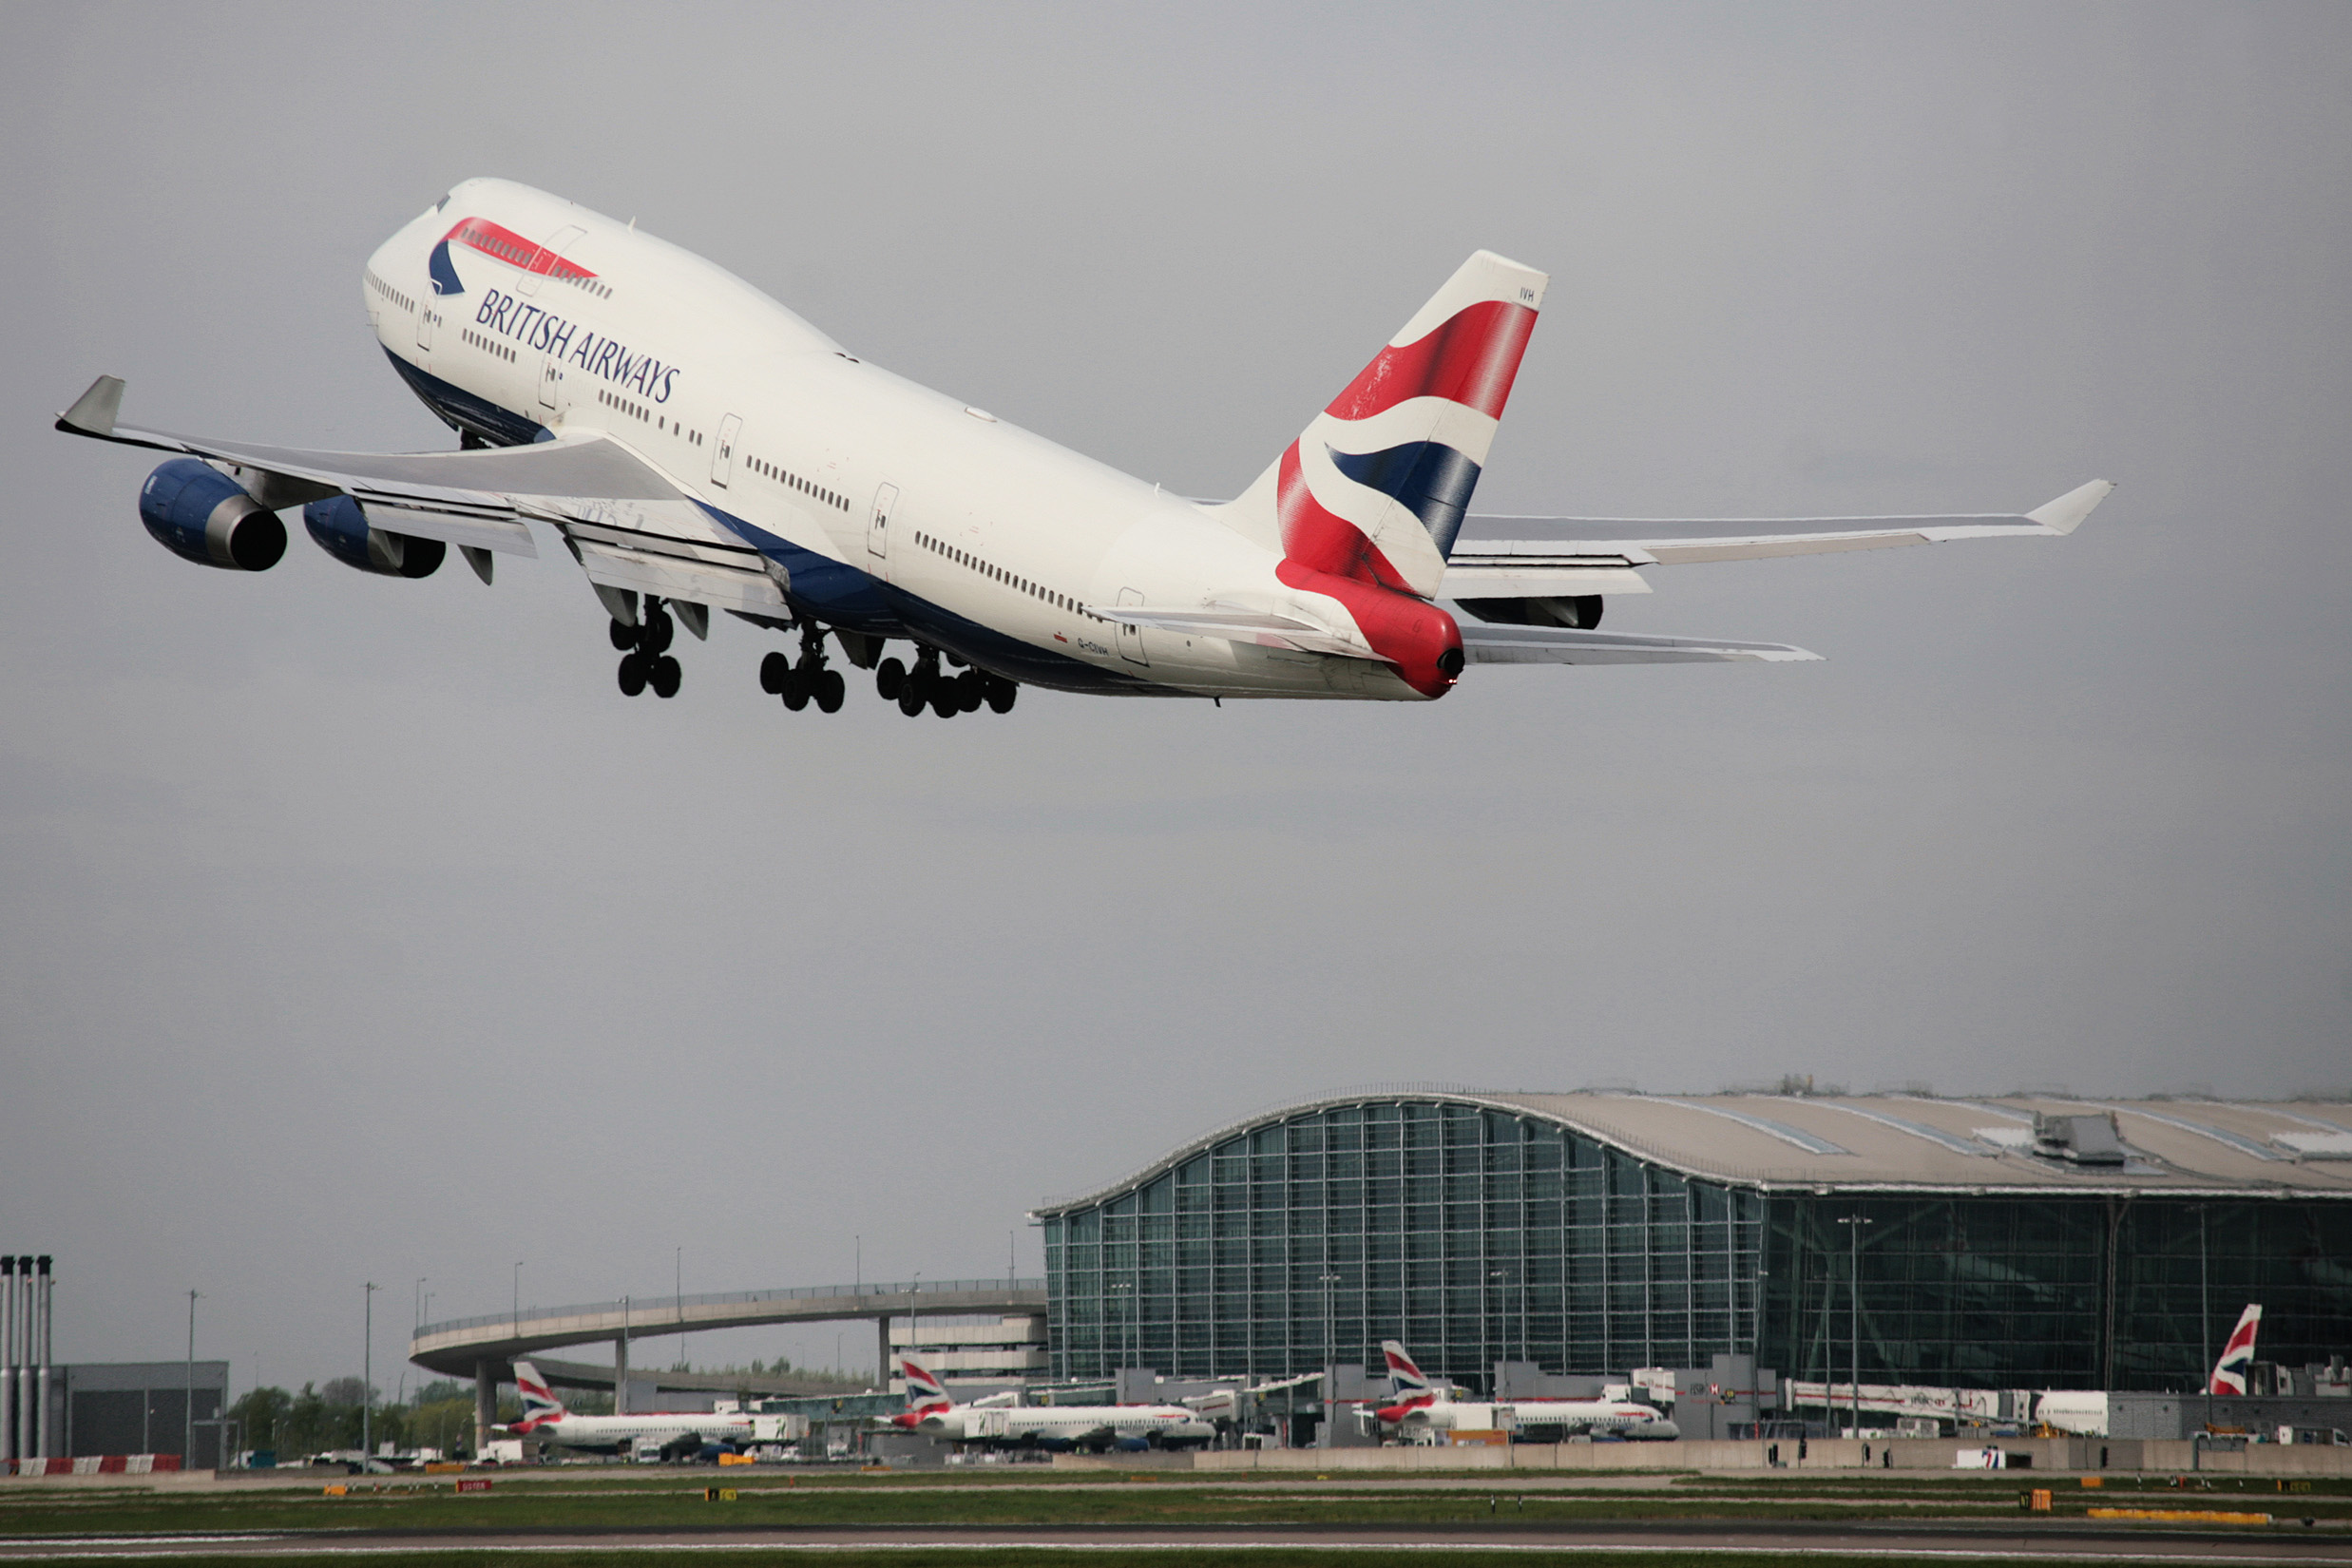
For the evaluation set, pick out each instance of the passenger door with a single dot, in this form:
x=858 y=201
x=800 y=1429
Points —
x=722 y=455
x=878 y=526
x=549 y=373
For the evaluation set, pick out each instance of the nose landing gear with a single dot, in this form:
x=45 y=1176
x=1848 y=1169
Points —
x=646 y=662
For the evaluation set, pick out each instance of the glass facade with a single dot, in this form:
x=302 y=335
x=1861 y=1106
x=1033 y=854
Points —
x=1476 y=1235
x=1472 y=1234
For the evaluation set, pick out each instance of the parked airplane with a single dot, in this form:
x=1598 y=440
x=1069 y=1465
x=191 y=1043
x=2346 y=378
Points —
x=2237 y=1357
x=997 y=1422
x=694 y=445
x=1420 y=1408
x=681 y=1434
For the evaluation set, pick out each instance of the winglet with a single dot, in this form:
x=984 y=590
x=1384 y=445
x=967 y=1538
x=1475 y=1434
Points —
x=94 y=412
x=2066 y=513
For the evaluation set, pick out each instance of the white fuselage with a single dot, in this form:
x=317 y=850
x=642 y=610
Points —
x=1568 y=1417
x=623 y=1432
x=895 y=510
x=1057 y=1426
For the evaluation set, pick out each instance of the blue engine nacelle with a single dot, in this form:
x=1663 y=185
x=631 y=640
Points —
x=200 y=514
x=344 y=532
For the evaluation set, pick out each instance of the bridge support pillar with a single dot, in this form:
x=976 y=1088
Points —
x=882 y=1353
x=485 y=1404
x=620 y=1375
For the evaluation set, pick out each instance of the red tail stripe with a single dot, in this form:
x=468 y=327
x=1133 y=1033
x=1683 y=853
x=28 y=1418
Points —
x=1322 y=540
x=1411 y=634
x=1471 y=359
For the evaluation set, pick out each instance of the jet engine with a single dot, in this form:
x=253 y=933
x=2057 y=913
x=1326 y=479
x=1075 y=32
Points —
x=200 y=514
x=342 y=529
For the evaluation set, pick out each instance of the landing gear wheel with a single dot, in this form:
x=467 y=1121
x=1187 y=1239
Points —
x=911 y=698
x=971 y=688
x=947 y=699
x=771 y=671
x=830 y=690
x=1001 y=694
x=658 y=630
x=888 y=675
x=633 y=674
x=624 y=636
x=666 y=675
x=795 y=692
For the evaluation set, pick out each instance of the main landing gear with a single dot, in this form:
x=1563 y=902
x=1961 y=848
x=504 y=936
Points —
x=808 y=681
x=928 y=686
x=645 y=660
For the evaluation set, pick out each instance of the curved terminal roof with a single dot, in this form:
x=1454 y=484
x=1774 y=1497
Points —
x=1907 y=1143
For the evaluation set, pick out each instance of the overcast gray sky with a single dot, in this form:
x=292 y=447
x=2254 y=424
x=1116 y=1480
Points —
x=354 y=928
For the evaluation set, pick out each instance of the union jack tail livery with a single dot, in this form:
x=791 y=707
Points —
x=2237 y=1356
x=1414 y=1391
x=926 y=1394
x=1376 y=487
x=540 y=1406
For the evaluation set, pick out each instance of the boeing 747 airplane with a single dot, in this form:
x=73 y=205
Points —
x=694 y=445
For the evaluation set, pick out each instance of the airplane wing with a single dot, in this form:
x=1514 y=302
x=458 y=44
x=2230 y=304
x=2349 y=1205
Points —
x=1499 y=557
x=627 y=524
x=1486 y=645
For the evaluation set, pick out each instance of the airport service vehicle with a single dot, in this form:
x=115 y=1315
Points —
x=998 y=1422
x=675 y=1435
x=694 y=445
x=1420 y=1412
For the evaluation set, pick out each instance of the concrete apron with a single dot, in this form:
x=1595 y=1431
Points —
x=2048 y=1456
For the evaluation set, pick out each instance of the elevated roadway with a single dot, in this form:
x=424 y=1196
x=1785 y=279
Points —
x=485 y=1349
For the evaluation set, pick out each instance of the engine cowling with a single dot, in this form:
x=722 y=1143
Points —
x=341 y=527
x=200 y=514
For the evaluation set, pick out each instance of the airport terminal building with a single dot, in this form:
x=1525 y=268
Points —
x=1999 y=1243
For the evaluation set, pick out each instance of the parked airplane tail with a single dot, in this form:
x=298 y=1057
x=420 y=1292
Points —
x=2237 y=1357
x=1376 y=487
x=1404 y=1375
x=538 y=1402
x=924 y=1390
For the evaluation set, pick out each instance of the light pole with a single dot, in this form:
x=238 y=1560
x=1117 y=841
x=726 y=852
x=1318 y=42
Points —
x=418 y=1320
x=678 y=1299
x=2205 y=1318
x=187 y=1448
x=367 y=1372
x=1503 y=1308
x=1853 y=1224
x=518 y=1299
x=1121 y=1292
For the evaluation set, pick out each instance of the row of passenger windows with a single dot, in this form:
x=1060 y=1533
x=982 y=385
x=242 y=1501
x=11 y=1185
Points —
x=793 y=481
x=391 y=293
x=1011 y=579
x=488 y=345
x=593 y=286
x=662 y=422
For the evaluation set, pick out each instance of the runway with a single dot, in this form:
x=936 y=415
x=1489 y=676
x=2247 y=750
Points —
x=2044 y=1543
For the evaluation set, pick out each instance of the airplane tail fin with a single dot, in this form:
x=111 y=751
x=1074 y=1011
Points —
x=1376 y=487
x=924 y=1390
x=539 y=1401
x=1403 y=1373
x=2237 y=1357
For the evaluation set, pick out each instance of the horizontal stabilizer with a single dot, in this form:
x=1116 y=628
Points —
x=1535 y=548
x=1235 y=624
x=1486 y=645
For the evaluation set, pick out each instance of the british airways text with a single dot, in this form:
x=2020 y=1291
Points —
x=537 y=330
